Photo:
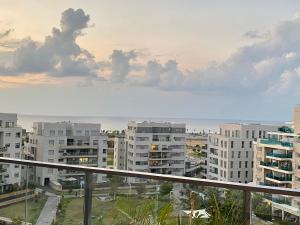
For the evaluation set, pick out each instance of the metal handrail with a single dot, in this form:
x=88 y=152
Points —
x=176 y=179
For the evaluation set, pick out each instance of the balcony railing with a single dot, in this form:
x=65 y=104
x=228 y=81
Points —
x=276 y=142
x=246 y=189
x=282 y=156
x=277 y=166
x=279 y=178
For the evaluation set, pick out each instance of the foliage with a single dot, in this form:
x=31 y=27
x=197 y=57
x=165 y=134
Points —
x=16 y=221
x=165 y=188
x=261 y=209
x=140 y=188
x=115 y=182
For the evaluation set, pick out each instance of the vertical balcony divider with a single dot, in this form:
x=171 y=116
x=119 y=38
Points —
x=247 y=207
x=88 y=198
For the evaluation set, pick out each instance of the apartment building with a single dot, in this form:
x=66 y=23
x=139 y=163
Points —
x=277 y=160
x=155 y=147
x=196 y=146
x=10 y=146
x=120 y=154
x=230 y=152
x=68 y=143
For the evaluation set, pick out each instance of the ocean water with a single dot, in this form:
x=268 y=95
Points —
x=120 y=123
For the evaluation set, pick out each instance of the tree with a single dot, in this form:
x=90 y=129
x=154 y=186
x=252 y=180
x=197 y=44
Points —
x=115 y=182
x=140 y=188
x=165 y=188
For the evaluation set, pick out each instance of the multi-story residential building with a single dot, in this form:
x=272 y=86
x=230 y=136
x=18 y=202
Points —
x=156 y=147
x=10 y=146
x=68 y=143
x=277 y=160
x=196 y=145
x=230 y=152
x=120 y=154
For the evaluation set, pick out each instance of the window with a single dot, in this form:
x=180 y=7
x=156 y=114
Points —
x=61 y=142
x=51 y=160
x=231 y=164
x=247 y=134
x=225 y=144
x=50 y=170
x=240 y=164
x=246 y=164
x=17 y=155
x=52 y=132
x=17 y=145
x=232 y=154
x=7 y=134
x=239 y=154
x=225 y=174
x=232 y=144
x=16 y=175
x=51 y=142
x=259 y=134
x=95 y=142
x=17 y=166
x=225 y=155
x=225 y=164
x=252 y=164
x=18 y=135
x=78 y=132
x=250 y=144
x=231 y=174
x=221 y=173
x=246 y=173
x=239 y=174
x=104 y=151
x=7 y=145
x=60 y=132
x=243 y=144
x=247 y=154
x=87 y=133
x=103 y=159
x=253 y=134
x=50 y=152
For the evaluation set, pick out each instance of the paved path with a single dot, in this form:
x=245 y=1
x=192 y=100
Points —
x=48 y=213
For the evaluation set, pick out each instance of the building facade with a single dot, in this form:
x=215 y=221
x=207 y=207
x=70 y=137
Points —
x=120 y=154
x=10 y=146
x=277 y=160
x=155 y=147
x=230 y=152
x=68 y=143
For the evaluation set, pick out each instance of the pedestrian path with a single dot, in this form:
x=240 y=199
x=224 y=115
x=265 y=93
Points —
x=48 y=213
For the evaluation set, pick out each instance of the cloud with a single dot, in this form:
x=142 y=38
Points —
x=59 y=55
x=120 y=65
x=254 y=34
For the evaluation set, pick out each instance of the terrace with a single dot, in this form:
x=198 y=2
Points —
x=153 y=202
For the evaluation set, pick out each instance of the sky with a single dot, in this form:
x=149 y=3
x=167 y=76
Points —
x=189 y=59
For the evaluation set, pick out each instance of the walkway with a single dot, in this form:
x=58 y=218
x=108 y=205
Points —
x=48 y=213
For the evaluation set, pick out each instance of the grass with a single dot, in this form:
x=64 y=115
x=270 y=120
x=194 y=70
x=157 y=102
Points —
x=17 y=210
x=114 y=212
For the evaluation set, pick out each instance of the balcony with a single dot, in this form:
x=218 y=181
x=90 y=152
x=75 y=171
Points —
x=276 y=178
x=279 y=167
x=280 y=156
x=160 y=199
x=277 y=142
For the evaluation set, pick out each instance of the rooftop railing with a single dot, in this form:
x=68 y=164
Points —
x=126 y=210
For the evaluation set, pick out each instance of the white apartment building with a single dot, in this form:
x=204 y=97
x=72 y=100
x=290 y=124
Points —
x=10 y=146
x=120 y=156
x=68 y=143
x=277 y=160
x=230 y=152
x=155 y=147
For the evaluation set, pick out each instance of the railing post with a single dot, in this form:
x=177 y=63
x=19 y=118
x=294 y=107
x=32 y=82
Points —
x=88 y=198
x=247 y=207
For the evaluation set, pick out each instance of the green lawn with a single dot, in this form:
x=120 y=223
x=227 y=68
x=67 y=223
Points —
x=113 y=213
x=17 y=210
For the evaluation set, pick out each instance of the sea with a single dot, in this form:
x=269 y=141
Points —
x=120 y=123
